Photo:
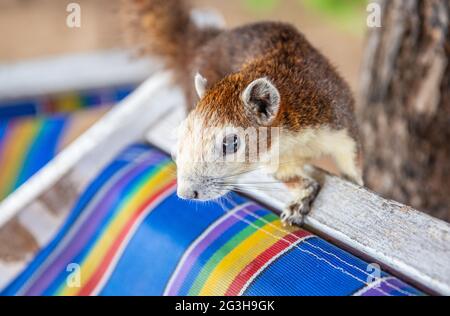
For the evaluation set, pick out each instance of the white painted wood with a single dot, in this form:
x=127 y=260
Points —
x=7 y=270
x=72 y=72
x=408 y=241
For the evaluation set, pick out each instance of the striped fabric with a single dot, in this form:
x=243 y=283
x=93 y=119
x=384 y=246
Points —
x=25 y=146
x=64 y=102
x=129 y=234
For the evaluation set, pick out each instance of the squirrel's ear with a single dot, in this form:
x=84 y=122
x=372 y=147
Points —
x=261 y=100
x=200 y=84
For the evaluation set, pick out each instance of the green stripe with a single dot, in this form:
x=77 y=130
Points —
x=129 y=191
x=30 y=138
x=225 y=250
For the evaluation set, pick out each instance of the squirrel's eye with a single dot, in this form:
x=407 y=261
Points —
x=230 y=144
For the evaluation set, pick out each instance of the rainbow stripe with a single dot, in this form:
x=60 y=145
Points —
x=129 y=234
x=28 y=144
x=64 y=102
x=240 y=243
x=25 y=146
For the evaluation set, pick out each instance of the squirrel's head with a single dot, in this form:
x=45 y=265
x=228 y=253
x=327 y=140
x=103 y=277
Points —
x=230 y=132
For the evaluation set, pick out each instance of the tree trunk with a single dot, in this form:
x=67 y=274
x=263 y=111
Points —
x=405 y=105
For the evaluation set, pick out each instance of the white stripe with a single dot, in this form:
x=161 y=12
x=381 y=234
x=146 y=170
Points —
x=127 y=239
x=85 y=213
x=197 y=241
x=340 y=259
x=372 y=285
x=260 y=270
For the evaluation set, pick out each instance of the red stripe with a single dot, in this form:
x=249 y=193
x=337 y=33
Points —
x=253 y=267
x=109 y=256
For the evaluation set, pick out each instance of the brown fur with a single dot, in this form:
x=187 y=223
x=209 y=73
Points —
x=164 y=28
x=312 y=92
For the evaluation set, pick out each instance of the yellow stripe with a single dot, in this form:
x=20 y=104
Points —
x=232 y=264
x=90 y=264
x=15 y=153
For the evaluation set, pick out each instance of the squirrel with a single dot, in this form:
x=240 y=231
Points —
x=260 y=75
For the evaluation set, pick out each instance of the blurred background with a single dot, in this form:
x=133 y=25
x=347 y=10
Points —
x=36 y=28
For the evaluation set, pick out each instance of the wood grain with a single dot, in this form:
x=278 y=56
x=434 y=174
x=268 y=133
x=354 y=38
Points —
x=405 y=105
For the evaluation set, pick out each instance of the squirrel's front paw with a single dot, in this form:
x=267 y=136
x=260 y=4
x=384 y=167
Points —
x=295 y=212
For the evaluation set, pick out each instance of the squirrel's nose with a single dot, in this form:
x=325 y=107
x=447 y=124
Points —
x=187 y=193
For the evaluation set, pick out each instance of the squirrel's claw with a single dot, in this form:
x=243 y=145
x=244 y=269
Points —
x=296 y=211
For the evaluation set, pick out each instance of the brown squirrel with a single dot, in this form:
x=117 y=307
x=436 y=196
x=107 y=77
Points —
x=259 y=75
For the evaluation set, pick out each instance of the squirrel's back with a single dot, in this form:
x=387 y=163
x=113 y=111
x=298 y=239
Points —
x=307 y=81
x=265 y=73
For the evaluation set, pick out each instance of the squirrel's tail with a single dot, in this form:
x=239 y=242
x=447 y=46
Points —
x=164 y=28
